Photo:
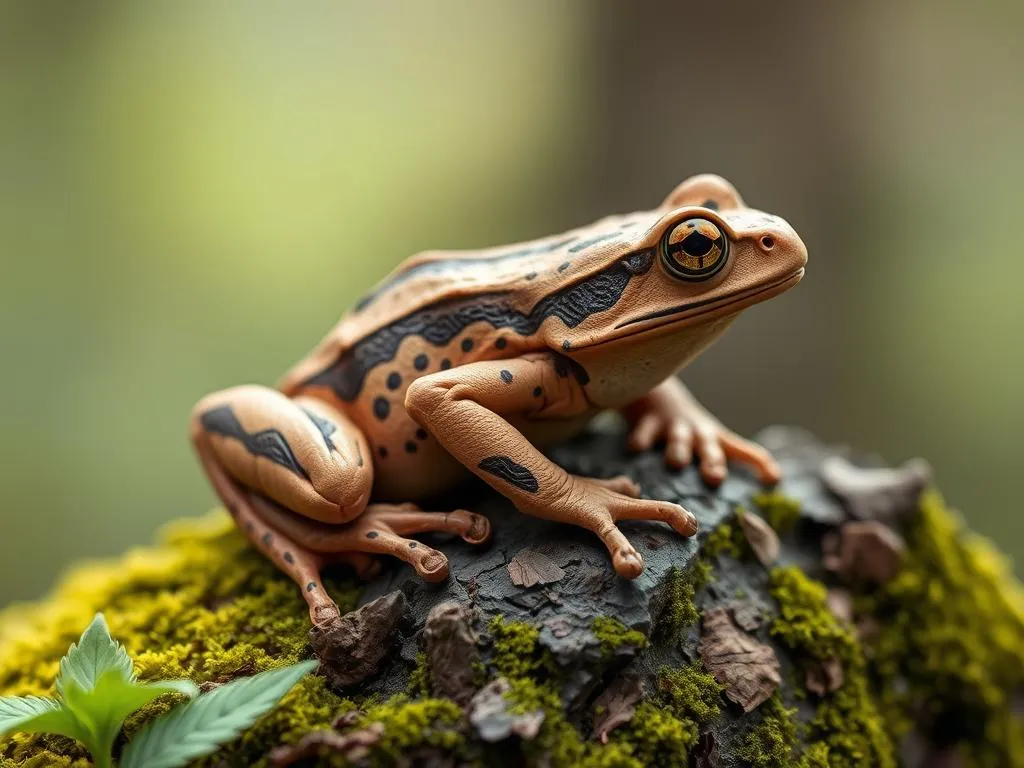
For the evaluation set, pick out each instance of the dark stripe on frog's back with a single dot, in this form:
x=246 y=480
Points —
x=445 y=266
x=441 y=322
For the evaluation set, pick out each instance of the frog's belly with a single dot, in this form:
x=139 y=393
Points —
x=429 y=469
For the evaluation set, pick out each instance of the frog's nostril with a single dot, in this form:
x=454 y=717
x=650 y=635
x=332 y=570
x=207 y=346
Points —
x=767 y=242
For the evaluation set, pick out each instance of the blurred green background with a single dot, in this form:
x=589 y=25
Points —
x=192 y=193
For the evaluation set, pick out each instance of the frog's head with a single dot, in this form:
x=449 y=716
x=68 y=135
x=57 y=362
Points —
x=693 y=264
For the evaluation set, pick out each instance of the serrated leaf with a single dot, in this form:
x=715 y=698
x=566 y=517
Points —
x=34 y=714
x=203 y=724
x=95 y=653
x=104 y=709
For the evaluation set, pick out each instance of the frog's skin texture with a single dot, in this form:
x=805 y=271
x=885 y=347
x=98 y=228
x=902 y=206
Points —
x=472 y=361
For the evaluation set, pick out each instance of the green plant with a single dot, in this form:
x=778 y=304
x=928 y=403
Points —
x=97 y=690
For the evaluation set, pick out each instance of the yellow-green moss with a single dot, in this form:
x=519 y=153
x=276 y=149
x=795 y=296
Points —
x=726 y=540
x=613 y=634
x=204 y=606
x=770 y=743
x=681 y=588
x=420 y=679
x=689 y=693
x=411 y=724
x=804 y=622
x=517 y=651
x=779 y=511
x=847 y=721
x=951 y=628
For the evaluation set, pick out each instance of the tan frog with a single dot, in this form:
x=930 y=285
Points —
x=470 y=361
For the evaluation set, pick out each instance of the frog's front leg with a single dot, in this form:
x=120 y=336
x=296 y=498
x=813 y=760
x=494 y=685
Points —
x=671 y=414
x=468 y=410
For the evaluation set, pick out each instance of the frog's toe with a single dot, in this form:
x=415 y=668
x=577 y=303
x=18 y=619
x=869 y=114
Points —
x=432 y=566
x=479 y=529
x=753 y=455
x=628 y=563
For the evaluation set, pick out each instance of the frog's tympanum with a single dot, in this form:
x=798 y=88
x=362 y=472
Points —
x=472 y=362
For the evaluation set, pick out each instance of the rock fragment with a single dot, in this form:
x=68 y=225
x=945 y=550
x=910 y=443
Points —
x=840 y=603
x=451 y=647
x=747 y=615
x=823 y=677
x=705 y=754
x=530 y=567
x=761 y=537
x=747 y=668
x=489 y=714
x=881 y=494
x=351 y=648
x=351 y=746
x=864 y=552
x=616 y=705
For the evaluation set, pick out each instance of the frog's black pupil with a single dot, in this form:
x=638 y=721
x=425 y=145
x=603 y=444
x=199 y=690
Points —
x=695 y=244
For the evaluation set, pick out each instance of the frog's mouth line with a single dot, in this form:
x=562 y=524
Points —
x=730 y=302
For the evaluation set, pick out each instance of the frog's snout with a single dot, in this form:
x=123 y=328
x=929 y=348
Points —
x=782 y=244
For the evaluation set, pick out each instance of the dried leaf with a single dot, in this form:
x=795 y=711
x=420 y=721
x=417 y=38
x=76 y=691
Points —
x=616 y=704
x=451 y=646
x=823 y=677
x=490 y=714
x=864 y=551
x=351 y=746
x=747 y=668
x=882 y=494
x=530 y=567
x=761 y=537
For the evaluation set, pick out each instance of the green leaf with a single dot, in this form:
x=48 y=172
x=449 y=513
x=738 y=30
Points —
x=33 y=714
x=203 y=724
x=103 y=709
x=94 y=654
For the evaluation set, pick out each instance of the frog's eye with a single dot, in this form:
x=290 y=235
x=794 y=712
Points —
x=694 y=249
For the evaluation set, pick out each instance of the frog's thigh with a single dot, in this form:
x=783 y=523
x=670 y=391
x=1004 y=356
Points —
x=301 y=453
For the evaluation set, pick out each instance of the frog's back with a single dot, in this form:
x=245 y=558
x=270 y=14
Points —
x=438 y=310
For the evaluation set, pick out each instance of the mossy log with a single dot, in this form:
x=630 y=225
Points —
x=826 y=639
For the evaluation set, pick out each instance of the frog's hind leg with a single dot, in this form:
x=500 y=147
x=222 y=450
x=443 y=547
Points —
x=383 y=529
x=302 y=454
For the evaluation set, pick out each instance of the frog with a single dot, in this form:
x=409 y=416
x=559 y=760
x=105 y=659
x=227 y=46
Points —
x=474 y=362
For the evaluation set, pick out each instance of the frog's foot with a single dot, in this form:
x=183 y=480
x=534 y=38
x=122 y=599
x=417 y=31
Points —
x=592 y=504
x=671 y=415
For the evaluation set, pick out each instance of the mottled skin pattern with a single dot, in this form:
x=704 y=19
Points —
x=465 y=362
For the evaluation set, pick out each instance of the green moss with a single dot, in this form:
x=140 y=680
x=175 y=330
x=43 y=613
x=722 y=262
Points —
x=951 y=627
x=409 y=725
x=613 y=634
x=726 y=540
x=517 y=652
x=770 y=743
x=681 y=588
x=814 y=756
x=779 y=511
x=655 y=738
x=558 y=743
x=804 y=623
x=689 y=693
x=205 y=605
x=420 y=679
x=846 y=721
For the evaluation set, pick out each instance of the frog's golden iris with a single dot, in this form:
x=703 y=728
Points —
x=695 y=249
